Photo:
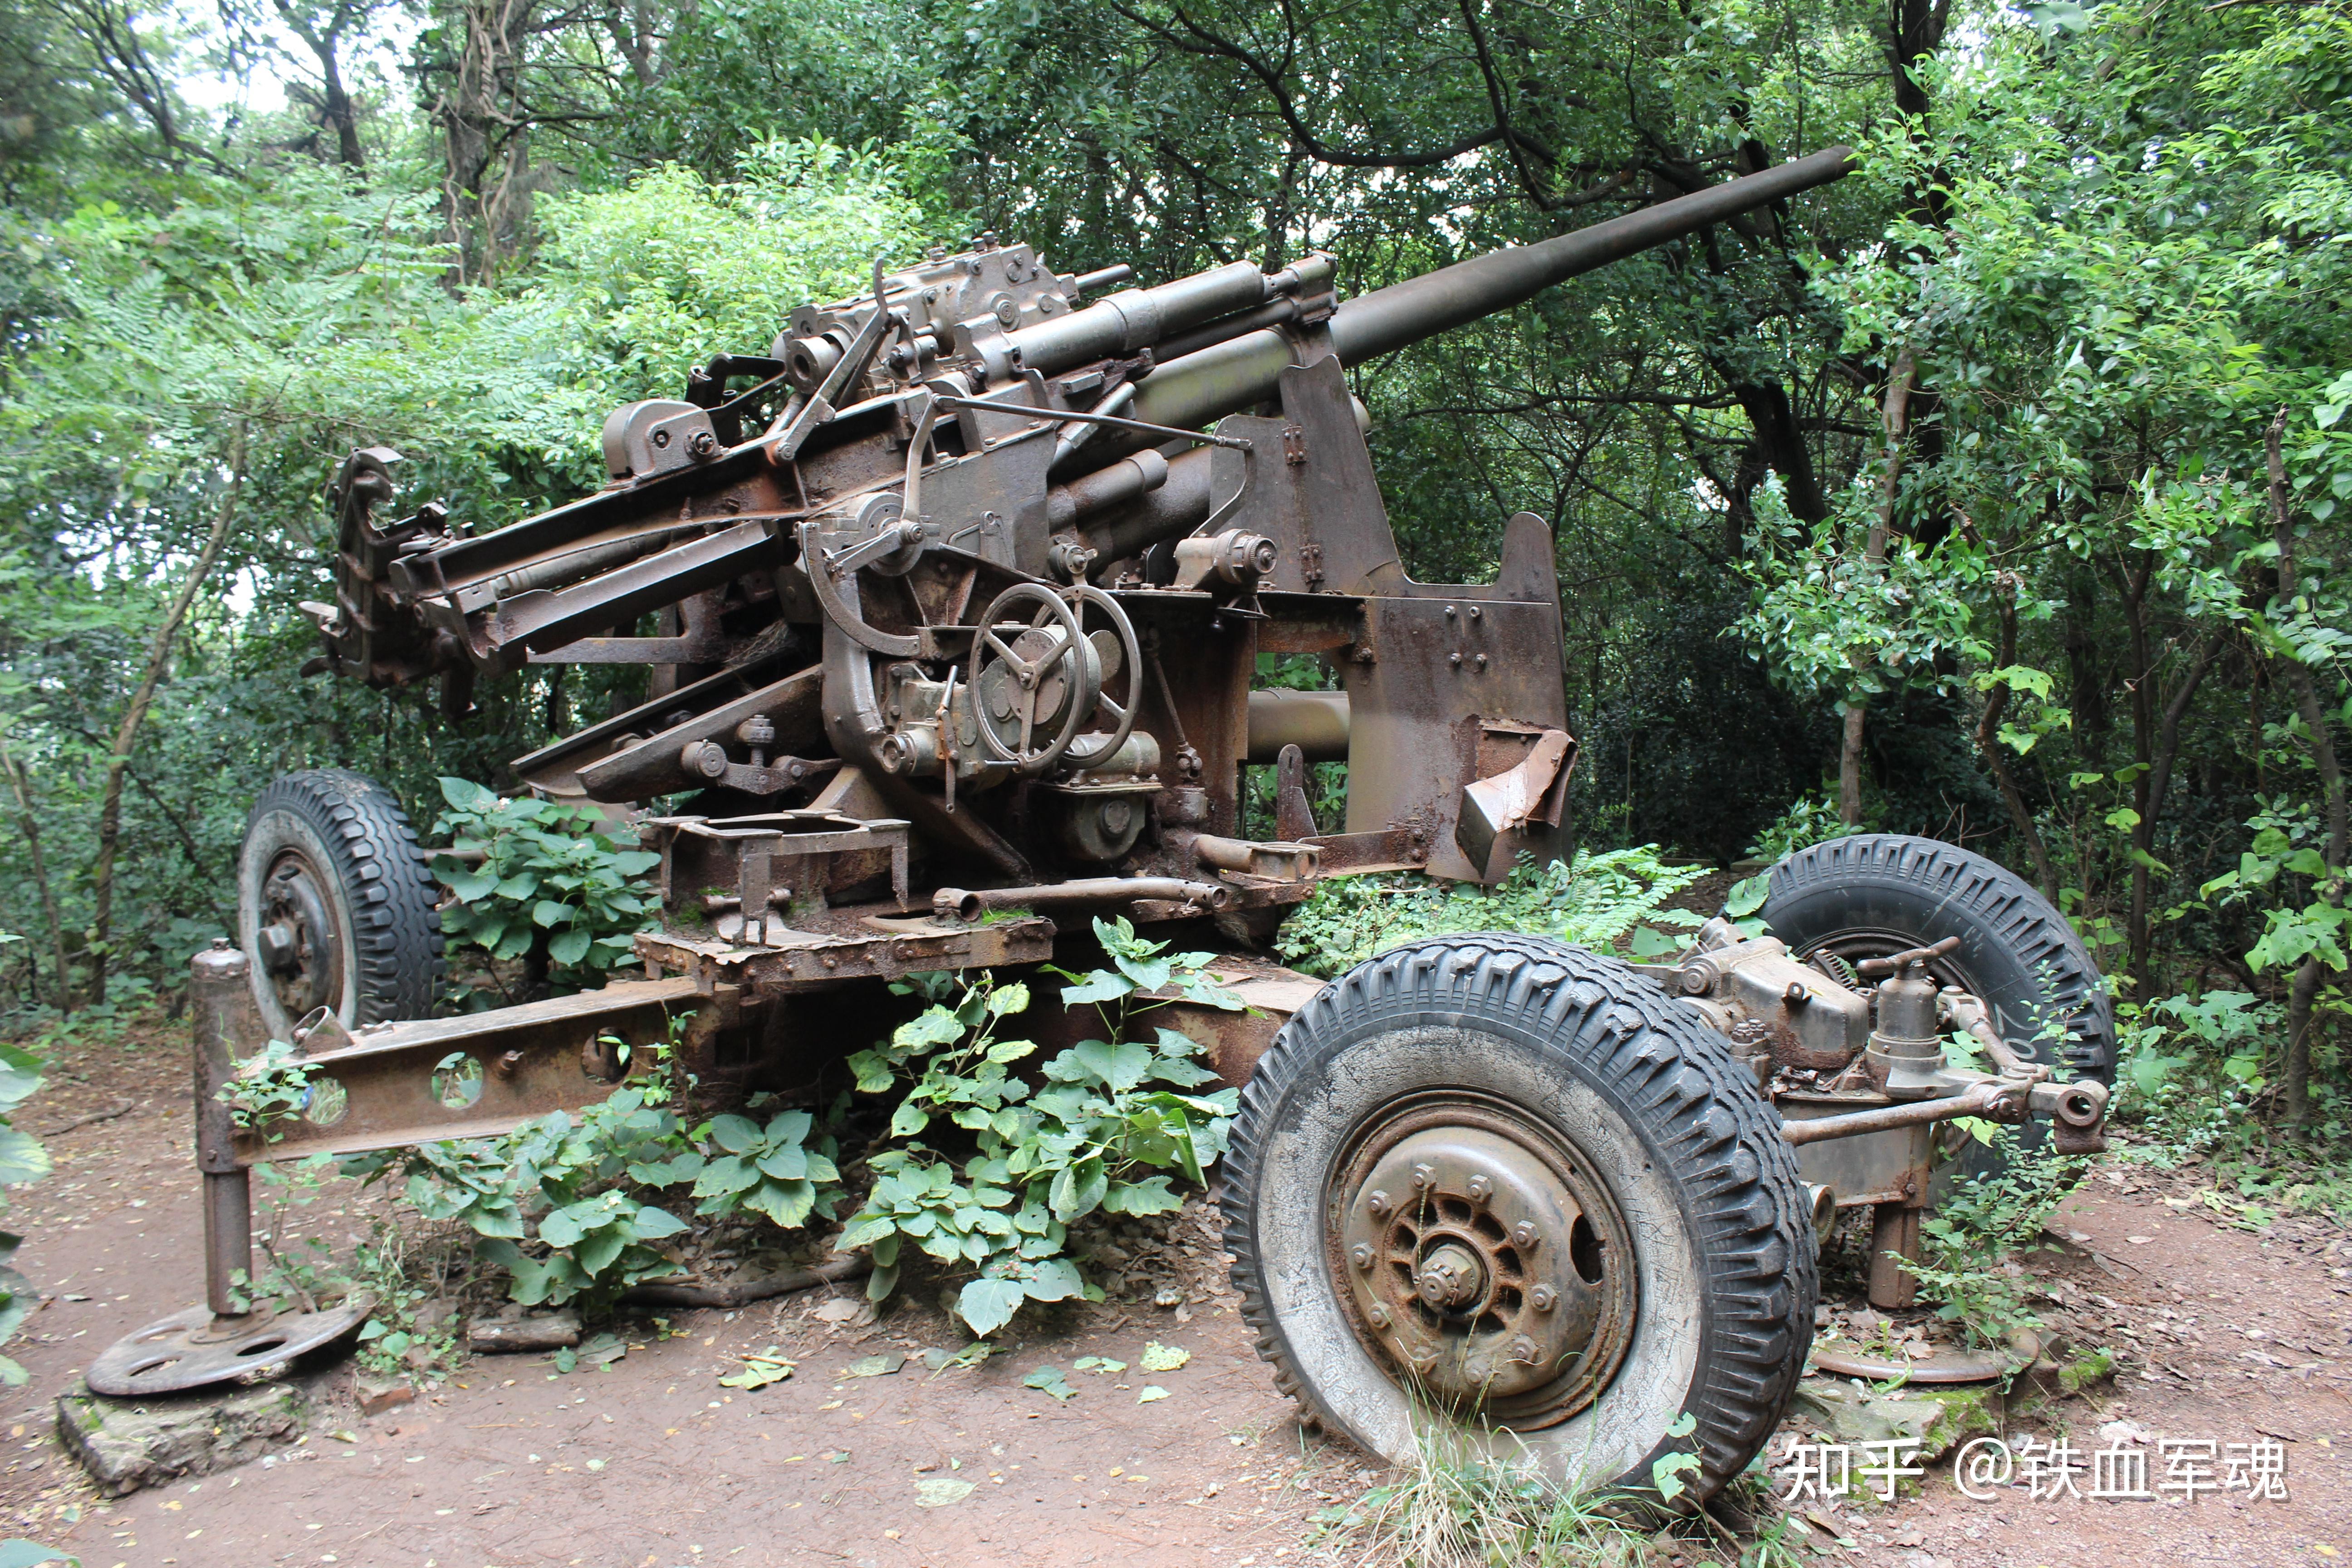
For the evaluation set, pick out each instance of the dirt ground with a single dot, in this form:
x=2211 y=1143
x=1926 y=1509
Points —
x=653 y=1464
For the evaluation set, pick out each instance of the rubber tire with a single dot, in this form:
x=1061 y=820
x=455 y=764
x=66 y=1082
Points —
x=1690 y=1149
x=2017 y=953
x=354 y=830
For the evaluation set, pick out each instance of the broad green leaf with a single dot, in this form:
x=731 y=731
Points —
x=1117 y=1066
x=987 y=1305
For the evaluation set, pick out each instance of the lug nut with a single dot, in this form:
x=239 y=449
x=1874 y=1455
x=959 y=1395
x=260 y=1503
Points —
x=1379 y=1204
x=1525 y=1350
x=1362 y=1255
x=1424 y=1177
x=1524 y=1233
x=1377 y=1315
x=1424 y=1360
x=1543 y=1299
x=1481 y=1189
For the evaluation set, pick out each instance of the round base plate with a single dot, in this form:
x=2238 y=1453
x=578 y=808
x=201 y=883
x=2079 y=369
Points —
x=193 y=1349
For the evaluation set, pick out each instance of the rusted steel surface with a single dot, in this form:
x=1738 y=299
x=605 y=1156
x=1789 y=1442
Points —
x=392 y=1088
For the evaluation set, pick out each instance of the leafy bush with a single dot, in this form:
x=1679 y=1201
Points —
x=1593 y=900
x=568 y=1186
x=553 y=888
x=1806 y=823
x=1027 y=1163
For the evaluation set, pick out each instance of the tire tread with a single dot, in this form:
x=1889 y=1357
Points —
x=396 y=928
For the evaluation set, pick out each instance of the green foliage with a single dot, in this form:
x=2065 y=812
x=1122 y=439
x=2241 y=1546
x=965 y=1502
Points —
x=1806 y=822
x=269 y=1086
x=1593 y=900
x=552 y=887
x=770 y=1170
x=1012 y=1166
x=22 y=1160
x=558 y=1202
x=2286 y=859
x=1969 y=1237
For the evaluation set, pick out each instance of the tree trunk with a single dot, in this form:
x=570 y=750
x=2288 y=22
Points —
x=1896 y=417
x=1989 y=740
x=2321 y=744
x=30 y=821
x=110 y=811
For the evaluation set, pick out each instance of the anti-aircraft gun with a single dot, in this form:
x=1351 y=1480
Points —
x=951 y=601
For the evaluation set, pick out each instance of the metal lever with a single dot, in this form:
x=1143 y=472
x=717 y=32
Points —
x=1880 y=968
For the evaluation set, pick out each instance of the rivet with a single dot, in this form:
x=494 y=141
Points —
x=1377 y=1315
x=1362 y=1255
x=1481 y=1189
x=1449 y=611
x=1481 y=662
x=1453 y=659
x=1423 y=1176
x=1379 y=1204
x=1474 y=612
x=1524 y=1233
x=1543 y=1299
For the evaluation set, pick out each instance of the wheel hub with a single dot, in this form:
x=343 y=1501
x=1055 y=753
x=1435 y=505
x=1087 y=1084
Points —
x=1484 y=1259
x=298 y=943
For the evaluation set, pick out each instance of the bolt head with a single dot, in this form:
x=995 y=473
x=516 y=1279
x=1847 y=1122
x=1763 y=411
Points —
x=1543 y=1297
x=1525 y=1350
x=1379 y=1204
x=1524 y=1233
x=1424 y=1177
x=1481 y=1188
x=1362 y=1256
x=1377 y=1315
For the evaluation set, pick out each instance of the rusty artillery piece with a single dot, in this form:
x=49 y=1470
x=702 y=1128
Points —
x=952 y=601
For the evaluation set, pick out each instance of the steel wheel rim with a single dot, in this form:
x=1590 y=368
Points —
x=298 y=902
x=1480 y=1258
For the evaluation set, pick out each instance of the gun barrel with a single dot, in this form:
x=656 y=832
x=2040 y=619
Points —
x=1241 y=371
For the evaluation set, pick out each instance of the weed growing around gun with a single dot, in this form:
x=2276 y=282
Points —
x=1593 y=900
x=983 y=1170
x=1969 y=1271
x=552 y=891
x=564 y=1205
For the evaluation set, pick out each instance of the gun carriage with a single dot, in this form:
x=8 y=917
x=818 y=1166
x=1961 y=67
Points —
x=951 y=601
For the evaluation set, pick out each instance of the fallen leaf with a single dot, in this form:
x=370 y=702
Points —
x=759 y=1370
x=1158 y=1357
x=2139 y=1240
x=1049 y=1380
x=940 y=1492
x=1101 y=1364
x=1149 y=1394
x=874 y=1366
